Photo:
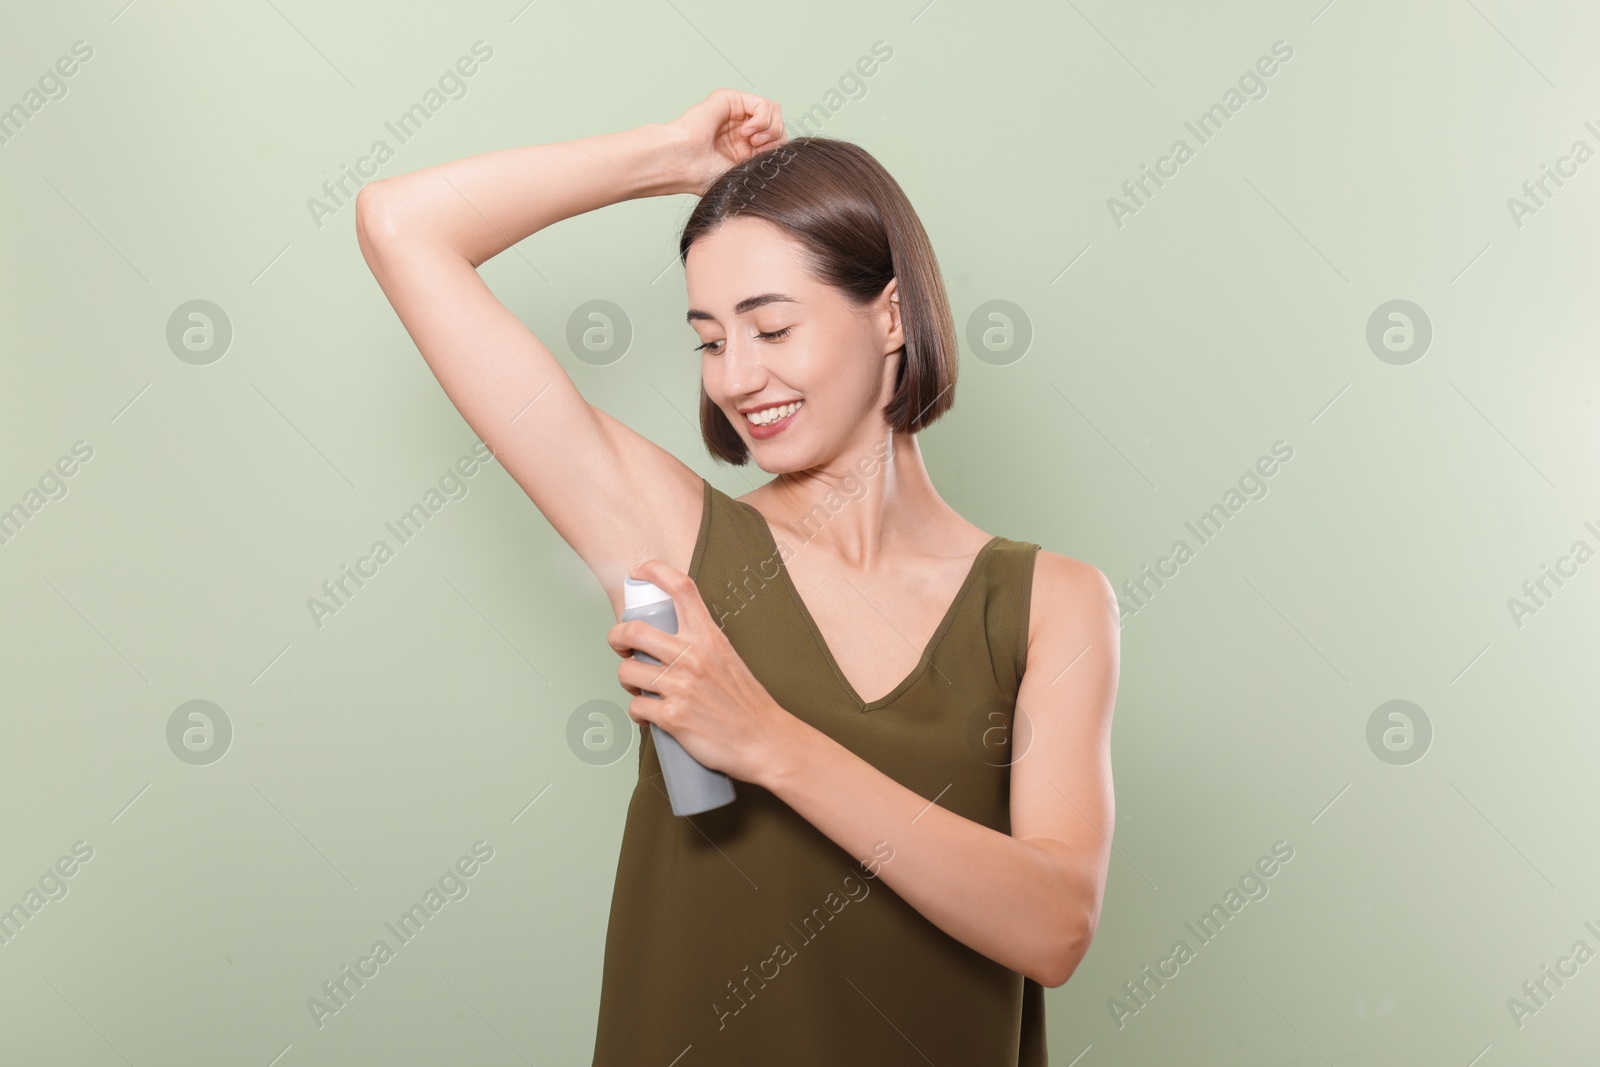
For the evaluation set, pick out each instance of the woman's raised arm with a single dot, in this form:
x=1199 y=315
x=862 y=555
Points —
x=614 y=496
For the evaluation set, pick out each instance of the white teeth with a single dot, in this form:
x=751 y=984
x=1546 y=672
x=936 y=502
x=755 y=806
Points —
x=771 y=415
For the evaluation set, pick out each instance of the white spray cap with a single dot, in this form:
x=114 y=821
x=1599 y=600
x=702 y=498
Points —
x=637 y=592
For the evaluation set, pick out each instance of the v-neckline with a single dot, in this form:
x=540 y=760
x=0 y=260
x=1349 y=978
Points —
x=923 y=661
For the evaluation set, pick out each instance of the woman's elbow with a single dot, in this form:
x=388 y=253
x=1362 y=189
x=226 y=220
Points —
x=1062 y=965
x=370 y=219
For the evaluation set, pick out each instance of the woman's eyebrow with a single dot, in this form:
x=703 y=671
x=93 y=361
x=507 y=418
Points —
x=749 y=303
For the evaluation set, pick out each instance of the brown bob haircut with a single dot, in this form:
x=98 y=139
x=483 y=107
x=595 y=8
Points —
x=858 y=231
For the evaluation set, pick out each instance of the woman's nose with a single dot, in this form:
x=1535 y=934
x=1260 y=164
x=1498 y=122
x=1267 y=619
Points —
x=742 y=369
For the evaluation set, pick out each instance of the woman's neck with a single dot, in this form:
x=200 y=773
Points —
x=866 y=501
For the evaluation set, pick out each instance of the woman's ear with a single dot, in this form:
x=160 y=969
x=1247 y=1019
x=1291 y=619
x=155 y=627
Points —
x=896 y=331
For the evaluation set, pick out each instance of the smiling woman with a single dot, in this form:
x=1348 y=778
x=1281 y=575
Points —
x=864 y=293
x=867 y=691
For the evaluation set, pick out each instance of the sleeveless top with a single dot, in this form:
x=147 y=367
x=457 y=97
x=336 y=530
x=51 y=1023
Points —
x=744 y=935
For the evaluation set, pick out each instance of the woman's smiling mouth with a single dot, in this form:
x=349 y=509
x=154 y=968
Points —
x=768 y=421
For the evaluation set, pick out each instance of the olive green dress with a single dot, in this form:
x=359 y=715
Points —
x=745 y=936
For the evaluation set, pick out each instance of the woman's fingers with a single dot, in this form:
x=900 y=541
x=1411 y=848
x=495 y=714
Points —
x=772 y=135
x=768 y=126
x=624 y=637
x=763 y=122
x=627 y=678
x=634 y=675
x=686 y=600
x=730 y=126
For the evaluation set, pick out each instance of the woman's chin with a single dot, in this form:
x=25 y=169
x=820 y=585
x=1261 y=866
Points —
x=772 y=462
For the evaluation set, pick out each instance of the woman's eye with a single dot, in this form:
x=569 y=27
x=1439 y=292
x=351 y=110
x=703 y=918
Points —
x=775 y=335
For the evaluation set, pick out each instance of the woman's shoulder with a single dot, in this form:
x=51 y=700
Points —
x=1071 y=606
x=1069 y=578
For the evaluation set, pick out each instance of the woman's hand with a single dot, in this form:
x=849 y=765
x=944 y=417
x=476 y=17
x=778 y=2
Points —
x=710 y=702
x=725 y=128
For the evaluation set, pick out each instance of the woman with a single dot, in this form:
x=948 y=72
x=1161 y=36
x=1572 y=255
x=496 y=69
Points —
x=854 y=653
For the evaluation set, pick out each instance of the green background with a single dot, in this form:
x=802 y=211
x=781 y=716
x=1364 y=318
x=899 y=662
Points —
x=1167 y=355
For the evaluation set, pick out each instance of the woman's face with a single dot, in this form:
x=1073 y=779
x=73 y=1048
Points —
x=772 y=334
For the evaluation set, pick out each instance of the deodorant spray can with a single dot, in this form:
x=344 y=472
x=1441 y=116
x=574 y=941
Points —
x=691 y=786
